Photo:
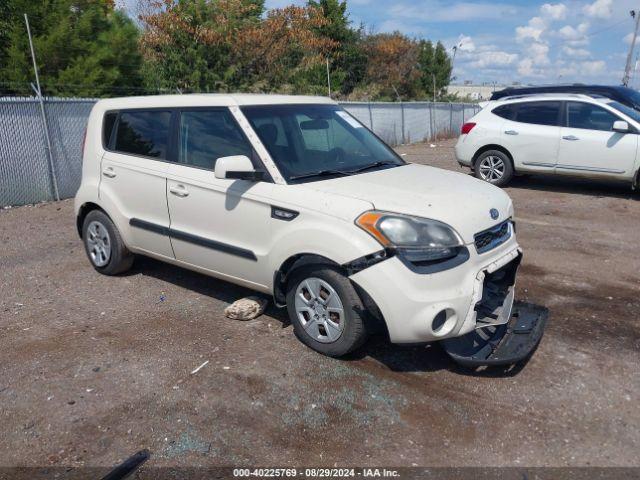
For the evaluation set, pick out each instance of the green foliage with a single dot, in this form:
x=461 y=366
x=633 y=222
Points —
x=83 y=47
x=88 y=48
x=435 y=68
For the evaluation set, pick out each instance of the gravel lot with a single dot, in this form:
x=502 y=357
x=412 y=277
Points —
x=94 y=368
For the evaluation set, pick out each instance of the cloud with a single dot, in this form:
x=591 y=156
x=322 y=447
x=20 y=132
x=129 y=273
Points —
x=532 y=31
x=465 y=44
x=494 y=59
x=598 y=9
x=575 y=36
x=434 y=11
x=557 y=11
x=525 y=68
x=575 y=52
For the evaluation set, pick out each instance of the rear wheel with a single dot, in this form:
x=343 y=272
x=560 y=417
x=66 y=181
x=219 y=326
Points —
x=495 y=167
x=103 y=244
x=325 y=310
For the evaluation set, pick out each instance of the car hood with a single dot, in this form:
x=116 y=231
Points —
x=456 y=199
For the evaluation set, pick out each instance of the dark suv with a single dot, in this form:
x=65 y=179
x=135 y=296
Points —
x=626 y=96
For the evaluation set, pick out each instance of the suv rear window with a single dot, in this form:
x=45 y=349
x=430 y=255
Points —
x=143 y=133
x=539 y=113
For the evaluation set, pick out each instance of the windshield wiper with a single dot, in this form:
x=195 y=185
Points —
x=320 y=173
x=381 y=163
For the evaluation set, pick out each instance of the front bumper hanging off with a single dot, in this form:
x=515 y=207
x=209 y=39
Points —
x=502 y=344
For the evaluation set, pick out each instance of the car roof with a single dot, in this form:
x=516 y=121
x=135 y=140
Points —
x=210 y=100
x=530 y=97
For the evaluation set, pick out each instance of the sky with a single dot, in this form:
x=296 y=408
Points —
x=506 y=41
x=512 y=40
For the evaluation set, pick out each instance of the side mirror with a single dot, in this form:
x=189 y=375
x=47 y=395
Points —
x=237 y=167
x=621 y=126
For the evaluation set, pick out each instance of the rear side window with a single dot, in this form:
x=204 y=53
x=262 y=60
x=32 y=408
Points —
x=506 y=111
x=206 y=135
x=107 y=127
x=539 y=113
x=143 y=133
x=589 y=117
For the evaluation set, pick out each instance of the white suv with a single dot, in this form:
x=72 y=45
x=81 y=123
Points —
x=293 y=197
x=567 y=134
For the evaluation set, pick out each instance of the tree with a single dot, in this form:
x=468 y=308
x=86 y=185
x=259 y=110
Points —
x=435 y=68
x=392 y=66
x=223 y=45
x=348 y=62
x=83 y=47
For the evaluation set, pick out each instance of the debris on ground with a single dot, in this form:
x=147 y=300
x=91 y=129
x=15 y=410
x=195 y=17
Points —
x=198 y=369
x=246 y=308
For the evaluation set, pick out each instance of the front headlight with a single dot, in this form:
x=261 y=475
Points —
x=420 y=239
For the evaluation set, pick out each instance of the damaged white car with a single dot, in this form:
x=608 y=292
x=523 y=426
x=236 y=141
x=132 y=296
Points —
x=293 y=197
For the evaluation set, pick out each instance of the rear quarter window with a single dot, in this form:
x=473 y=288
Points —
x=108 y=122
x=505 y=111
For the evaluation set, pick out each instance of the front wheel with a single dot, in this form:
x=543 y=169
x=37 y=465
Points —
x=495 y=167
x=325 y=310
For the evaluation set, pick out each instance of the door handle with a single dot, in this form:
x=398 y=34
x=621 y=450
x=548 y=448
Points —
x=511 y=132
x=571 y=138
x=109 y=172
x=179 y=191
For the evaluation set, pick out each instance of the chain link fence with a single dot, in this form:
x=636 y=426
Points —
x=31 y=172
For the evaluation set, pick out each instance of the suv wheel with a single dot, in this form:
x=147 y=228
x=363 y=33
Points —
x=325 y=310
x=495 y=167
x=103 y=244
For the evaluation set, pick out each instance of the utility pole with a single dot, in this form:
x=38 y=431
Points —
x=328 y=78
x=627 y=68
x=54 y=181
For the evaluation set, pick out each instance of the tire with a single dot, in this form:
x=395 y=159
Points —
x=495 y=167
x=336 y=332
x=103 y=244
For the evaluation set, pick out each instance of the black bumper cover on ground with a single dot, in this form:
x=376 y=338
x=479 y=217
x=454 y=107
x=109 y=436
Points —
x=508 y=344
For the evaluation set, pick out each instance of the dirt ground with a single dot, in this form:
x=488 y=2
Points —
x=94 y=368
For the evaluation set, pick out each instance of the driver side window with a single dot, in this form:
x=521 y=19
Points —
x=589 y=117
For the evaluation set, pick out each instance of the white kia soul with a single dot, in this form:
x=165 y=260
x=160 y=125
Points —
x=293 y=197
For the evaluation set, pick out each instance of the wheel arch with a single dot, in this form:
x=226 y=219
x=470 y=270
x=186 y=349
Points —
x=492 y=146
x=282 y=274
x=372 y=316
x=84 y=211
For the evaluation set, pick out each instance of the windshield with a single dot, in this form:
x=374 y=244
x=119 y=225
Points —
x=628 y=111
x=314 y=142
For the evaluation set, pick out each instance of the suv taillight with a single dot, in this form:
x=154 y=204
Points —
x=467 y=127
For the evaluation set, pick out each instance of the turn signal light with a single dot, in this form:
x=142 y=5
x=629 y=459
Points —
x=467 y=127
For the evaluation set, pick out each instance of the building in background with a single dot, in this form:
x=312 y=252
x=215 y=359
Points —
x=476 y=92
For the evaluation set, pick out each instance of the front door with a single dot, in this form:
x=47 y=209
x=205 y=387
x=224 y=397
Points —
x=218 y=225
x=589 y=146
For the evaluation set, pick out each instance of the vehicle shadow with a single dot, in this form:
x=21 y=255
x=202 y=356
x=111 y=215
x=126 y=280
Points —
x=397 y=358
x=428 y=357
x=582 y=186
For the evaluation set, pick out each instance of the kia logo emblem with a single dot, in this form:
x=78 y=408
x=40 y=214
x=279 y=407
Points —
x=494 y=213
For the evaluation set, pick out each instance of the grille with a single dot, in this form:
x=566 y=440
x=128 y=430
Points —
x=492 y=237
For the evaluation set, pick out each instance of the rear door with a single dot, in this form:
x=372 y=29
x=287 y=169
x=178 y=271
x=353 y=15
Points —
x=532 y=134
x=217 y=224
x=589 y=146
x=133 y=183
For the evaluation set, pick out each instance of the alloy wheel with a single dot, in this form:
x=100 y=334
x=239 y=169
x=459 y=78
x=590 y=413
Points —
x=492 y=168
